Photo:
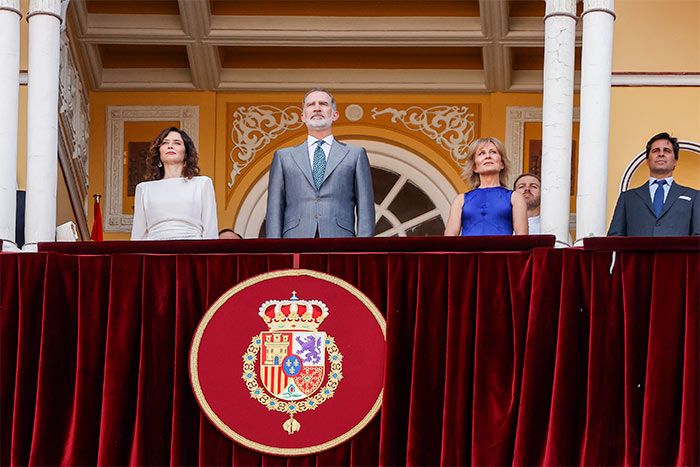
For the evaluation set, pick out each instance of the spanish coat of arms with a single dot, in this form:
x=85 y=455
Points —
x=299 y=366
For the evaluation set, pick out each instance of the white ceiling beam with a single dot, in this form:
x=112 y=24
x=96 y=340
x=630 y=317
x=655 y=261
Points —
x=205 y=65
x=301 y=31
x=104 y=27
x=195 y=17
x=353 y=80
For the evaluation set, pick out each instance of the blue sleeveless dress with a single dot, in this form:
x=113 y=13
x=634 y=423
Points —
x=487 y=211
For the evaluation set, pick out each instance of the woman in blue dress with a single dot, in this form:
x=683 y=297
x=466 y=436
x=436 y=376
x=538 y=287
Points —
x=489 y=208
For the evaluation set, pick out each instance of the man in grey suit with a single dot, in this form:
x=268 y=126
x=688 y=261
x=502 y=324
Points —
x=321 y=187
x=660 y=207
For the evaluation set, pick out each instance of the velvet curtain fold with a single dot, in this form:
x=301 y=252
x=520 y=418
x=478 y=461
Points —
x=540 y=357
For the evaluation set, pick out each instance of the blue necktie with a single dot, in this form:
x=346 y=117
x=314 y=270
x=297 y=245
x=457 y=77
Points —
x=658 y=201
x=318 y=170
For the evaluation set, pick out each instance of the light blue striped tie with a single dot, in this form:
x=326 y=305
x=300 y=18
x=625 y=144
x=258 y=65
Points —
x=319 y=168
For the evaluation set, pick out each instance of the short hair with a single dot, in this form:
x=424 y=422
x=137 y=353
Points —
x=333 y=104
x=666 y=136
x=230 y=230
x=154 y=166
x=526 y=174
x=472 y=177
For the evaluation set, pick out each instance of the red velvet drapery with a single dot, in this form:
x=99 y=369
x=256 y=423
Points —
x=524 y=357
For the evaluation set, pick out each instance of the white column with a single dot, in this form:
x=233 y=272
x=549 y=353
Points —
x=9 y=107
x=596 y=72
x=557 y=116
x=42 y=121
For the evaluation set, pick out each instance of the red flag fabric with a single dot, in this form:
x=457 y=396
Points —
x=96 y=233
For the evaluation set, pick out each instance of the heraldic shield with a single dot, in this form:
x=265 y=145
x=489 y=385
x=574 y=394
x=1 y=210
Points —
x=290 y=362
x=292 y=358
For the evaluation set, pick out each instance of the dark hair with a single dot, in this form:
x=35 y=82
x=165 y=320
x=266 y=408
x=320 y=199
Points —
x=154 y=166
x=303 y=101
x=526 y=174
x=232 y=231
x=666 y=136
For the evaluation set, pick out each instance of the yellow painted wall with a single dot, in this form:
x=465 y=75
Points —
x=639 y=113
x=657 y=36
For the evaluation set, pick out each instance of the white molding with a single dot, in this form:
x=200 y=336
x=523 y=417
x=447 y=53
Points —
x=195 y=17
x=107 y=27
x=658 y=79
x=11 y=5
x=116 y=220
x=352 y=79
x=333 y=31
x=516 y=117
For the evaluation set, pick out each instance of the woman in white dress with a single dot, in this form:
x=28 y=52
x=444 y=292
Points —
x=176 y=203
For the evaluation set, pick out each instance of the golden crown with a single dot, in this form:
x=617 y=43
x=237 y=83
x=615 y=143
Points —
x=293 y=314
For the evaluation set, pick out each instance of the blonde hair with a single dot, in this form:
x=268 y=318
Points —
x=472 y=177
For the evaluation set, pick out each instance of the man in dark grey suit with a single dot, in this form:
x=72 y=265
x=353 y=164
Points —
x=660 y=207
x=321 y=187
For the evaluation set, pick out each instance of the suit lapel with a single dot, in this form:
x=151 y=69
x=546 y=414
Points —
x=672 y=197
x=337 y=154
x=643 y=192
x=300 y=155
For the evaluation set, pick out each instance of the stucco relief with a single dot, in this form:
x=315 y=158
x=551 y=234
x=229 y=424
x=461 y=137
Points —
x=74 y=114
x=254 y=127
x=452 y=127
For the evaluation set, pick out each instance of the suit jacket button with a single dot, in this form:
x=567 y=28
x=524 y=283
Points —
x=658 y=223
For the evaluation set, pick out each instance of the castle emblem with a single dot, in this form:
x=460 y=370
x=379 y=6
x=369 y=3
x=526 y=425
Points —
x=299 y=366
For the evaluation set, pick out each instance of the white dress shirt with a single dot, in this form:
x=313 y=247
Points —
x=326 y=146
x=653 y=186
x=533 y=225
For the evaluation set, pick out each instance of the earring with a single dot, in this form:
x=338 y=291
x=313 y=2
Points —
x=160 y=164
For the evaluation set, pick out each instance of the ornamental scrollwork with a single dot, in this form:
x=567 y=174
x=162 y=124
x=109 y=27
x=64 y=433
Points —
x=254 y=127
x=451 y=127
x=74 y=114
x=73 y=105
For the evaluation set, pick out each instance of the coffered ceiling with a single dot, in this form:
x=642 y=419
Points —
x=383 y=45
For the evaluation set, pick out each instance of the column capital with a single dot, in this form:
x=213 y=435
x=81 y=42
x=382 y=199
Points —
x=605 y=6
x=560 y=8
x=10 y=5
x=45 y=7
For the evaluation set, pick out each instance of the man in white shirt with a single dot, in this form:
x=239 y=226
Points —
x=529 y=186
x=323 y=187
x=660 y=207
